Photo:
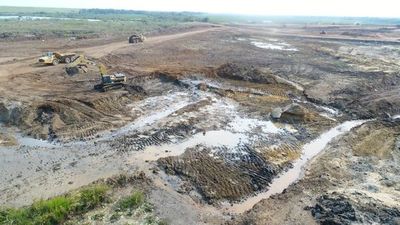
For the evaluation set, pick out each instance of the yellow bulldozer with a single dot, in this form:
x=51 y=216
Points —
x=54 y=58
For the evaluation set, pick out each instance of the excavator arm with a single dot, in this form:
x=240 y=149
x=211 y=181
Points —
x=102 y=69
x=108 y=81
x=79 y=63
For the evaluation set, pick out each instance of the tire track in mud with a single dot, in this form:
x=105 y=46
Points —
x=138 y=141
x=222 y=174
x=249 y=169
x=64 y=119
x=175 y=118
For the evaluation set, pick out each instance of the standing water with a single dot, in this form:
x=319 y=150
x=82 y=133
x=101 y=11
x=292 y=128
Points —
x=230 y=138
x=293 y=174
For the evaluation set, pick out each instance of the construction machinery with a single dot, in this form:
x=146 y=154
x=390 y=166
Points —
x=110 y=82
x=80 y=63
x=53 y=58
x=136 y=38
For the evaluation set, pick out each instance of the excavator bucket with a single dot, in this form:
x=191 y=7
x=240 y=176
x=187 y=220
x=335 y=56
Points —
x=72 y=70
x=80 y=63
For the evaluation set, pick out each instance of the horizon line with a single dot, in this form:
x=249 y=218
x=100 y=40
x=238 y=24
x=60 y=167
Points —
x=211 y=13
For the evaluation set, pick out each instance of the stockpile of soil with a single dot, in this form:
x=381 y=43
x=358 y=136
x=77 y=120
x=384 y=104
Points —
x=245 y=73
x=70 y=119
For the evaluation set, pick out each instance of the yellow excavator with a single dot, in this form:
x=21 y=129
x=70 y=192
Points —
x=80 y=63
x=108 y=81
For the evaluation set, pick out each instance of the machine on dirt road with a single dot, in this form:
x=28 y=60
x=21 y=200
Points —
x=136 y=38
x=110 y=82
x=53 y=58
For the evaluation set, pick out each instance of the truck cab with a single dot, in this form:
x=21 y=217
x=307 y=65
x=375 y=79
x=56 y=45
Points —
x=49 y=58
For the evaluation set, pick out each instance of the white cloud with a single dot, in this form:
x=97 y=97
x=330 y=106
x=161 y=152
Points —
x=381 y=8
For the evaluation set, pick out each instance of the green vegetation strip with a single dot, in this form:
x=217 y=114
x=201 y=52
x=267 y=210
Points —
x=179 y=17
x=132 y=202
x=56 y=210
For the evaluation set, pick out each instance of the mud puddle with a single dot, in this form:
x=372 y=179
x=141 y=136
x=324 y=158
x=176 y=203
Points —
x=193 y=83
x=396 y=117
x=275 y=46
x=32 y=142
x=23 y=140
x=289 y=177
x=153 y=109
x=237 y=132
x=272 y=44
x=211 y=138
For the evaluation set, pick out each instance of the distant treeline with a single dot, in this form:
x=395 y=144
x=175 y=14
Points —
x=123 y=11
x=88 y=23
x=175 y=16
x=332 y=20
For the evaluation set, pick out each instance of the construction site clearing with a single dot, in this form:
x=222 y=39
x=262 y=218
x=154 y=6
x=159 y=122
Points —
x=226 y=124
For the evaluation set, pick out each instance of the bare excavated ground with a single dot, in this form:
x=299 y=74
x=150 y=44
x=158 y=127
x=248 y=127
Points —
x=213 y=115
x=355 y=181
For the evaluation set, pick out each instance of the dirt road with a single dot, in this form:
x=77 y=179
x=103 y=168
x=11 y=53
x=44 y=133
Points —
x=28 y=64
x=100 y=51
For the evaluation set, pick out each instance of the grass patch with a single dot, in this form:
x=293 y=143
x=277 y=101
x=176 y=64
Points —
x=133 y=201
x=87 y=23
x=55 y=210
x=152 y=220
x=83 y=206
x=92 y=197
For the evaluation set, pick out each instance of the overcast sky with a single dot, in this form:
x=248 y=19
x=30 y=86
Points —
x=372 y=8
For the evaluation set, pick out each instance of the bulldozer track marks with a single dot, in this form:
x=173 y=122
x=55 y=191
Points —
x=137 y=142
x=222 y=173
x=71 y=119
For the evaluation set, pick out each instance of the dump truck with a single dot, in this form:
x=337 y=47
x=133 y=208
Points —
x=110 y=82
x=53 y=58
x=136 y=38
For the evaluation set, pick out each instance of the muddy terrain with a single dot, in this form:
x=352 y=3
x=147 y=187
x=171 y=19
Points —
x=355 y=181
x=228 y=124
